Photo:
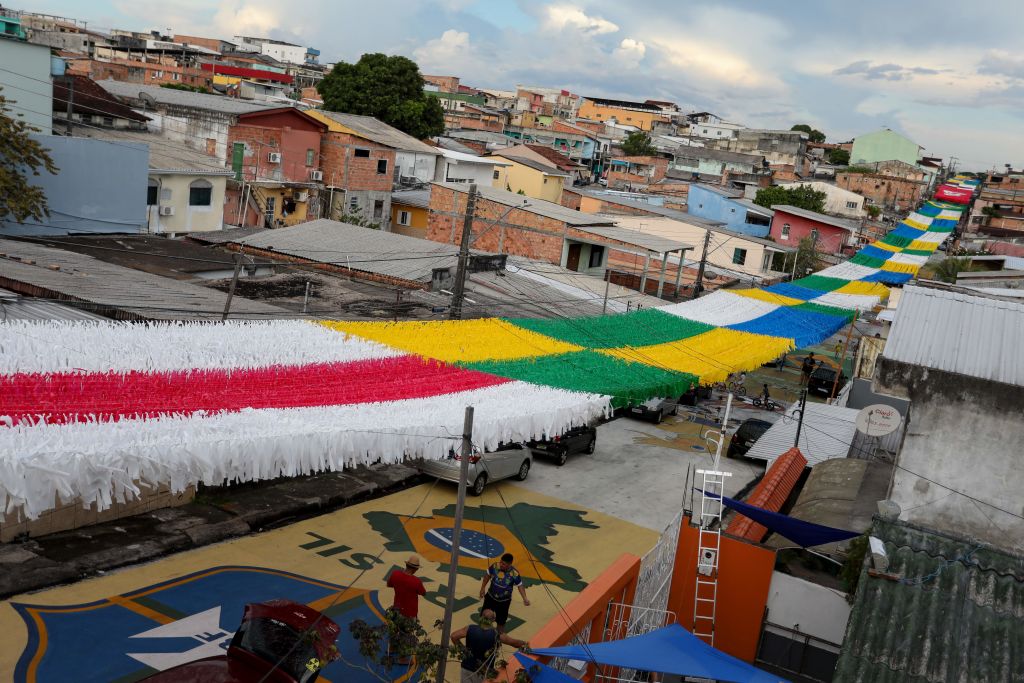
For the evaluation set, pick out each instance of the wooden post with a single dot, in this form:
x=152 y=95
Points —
x=842 y=358
x=231 y=289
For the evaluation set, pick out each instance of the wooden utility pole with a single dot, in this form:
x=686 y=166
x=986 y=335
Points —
x=842 y=358
x=700 y=269
x=231 y=289
x=453 y=562
x=800 y=420
x=607 y=283
x=459 y=290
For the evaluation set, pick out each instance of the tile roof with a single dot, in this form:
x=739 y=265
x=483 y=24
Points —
x=561 y=161
x=770 y=493
x=380 y=132
x=852 y=226
x=955 y=614
x=88 y=99
x=365 y=249
x=951 y=329
x=183 y=98
x=537 y=206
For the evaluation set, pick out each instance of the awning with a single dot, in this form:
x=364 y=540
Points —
x=668 y=650
x=540 y=673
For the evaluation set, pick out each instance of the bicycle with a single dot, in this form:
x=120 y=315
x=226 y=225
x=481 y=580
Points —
x=766 y=403
x=735 y=388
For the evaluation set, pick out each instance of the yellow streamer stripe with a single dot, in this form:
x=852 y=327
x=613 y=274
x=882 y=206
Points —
x=901 y=267
x=457 y=340
x=711 y=355
x=916 y=224
x=918 y=245
x=770 y=297
x=883 y=245
x=865 y=288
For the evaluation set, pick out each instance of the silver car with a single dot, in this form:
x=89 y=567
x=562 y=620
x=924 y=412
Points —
x=509 y=461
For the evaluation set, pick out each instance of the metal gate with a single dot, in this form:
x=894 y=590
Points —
x=656 y=570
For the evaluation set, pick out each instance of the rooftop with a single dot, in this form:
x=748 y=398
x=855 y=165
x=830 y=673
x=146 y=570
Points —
x=645 y=240
x=852 y=226
x=955 y=612
x=470 y=158
x=138 y=94
x=828 y=432
x=720 y=191
x=417 y=198
x=14 y=306
x=164 y=155
x=88 y=99
x=531 y=163
x=561 y=161
x=379 y=132
x=537 y=206
x=960 y=331
x=625 y=103
x=713 y=154
x=351 y=246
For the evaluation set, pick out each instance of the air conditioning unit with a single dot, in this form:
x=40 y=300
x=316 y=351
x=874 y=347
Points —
x=166 y=210
x=274 y=157
x=707 y=561
x=316 y=175
x=302 y=196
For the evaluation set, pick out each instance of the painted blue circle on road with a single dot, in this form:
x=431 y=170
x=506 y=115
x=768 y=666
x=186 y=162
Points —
x=471 y=544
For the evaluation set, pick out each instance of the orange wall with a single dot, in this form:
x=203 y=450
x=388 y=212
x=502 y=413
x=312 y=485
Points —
x=744 y=575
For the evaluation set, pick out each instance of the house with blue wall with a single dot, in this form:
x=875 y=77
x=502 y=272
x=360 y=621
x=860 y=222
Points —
x=729 y=207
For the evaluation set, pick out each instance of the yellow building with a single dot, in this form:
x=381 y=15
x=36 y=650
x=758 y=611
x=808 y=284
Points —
x=410 y=210
x=636 y=114
x=530 y=177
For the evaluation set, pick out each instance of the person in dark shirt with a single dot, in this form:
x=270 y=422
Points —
x=503 y=578
x=806 y=369
x=408 y=588
x=482 y=646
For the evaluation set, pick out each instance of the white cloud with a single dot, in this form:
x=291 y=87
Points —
x=562 y=17
x=630 y=52
x=250 y=17
x=449 y=53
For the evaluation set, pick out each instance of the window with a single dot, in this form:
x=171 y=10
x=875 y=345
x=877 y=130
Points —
x=363 y=153
x=353 y=204
x=596 y=256
x=732 y=210
x=851 y=205
x=497 y=174
x=200 y=193
x=545 y=181
x=785 y=231
x=378 y=210
x=153 y=193
x=739 y=256
x=310 y=157
x=108 y=121
x=403 y=218
x=382 y=166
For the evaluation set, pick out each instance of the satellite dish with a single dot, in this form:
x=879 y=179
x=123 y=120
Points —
x=878 y=420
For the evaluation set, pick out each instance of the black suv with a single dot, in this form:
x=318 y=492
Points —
x=576 y=440
x=822 y=380
x=748 y=432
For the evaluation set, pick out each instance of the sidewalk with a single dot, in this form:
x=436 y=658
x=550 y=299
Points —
x=216 y=515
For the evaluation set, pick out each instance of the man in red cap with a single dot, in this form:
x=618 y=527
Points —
x=408 y=588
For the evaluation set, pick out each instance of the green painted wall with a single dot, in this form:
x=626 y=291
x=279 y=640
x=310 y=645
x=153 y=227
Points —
x=883 y=145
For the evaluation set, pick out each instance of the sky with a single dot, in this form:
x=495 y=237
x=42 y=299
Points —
x=949 y=75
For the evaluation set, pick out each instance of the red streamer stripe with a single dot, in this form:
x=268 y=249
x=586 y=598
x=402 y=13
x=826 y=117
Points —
x=86 y=397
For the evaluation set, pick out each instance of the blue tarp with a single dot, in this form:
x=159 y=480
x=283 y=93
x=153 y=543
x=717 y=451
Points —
x=889 y=277
x=804 y=327
x=669 y=650
x=804 y=534
x=795 y=291
x=539 y=673
x=875 y=252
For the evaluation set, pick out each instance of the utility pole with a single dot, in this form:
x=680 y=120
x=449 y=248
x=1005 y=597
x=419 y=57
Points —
x=453 y=562
x=700 y=269
x=607 y=283
x=71 y=100
x=231 y=289
x=459 y=290
x=842 y=359
x=305 y=299
x=800 y=419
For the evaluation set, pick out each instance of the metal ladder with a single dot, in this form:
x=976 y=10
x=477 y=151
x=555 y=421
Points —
x=709 y=540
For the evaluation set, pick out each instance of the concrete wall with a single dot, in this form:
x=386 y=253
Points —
x=965 y=434
x=703 y=203
x=883 y=190
x=174 y=192
x=204 y=131
x=533 y=183
x=100 y=188
x=417 y=223
x=413 y=164
x=883 y=145
x=837 y=200
x=29 y=91
x=807 y=607
x=450 y=170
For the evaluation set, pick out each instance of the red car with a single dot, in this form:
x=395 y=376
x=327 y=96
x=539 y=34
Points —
x=279 y=641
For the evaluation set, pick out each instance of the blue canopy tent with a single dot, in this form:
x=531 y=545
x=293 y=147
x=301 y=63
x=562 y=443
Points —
x=668 y=650
x=541 y=673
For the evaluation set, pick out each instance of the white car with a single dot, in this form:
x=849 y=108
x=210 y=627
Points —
x=509 y=461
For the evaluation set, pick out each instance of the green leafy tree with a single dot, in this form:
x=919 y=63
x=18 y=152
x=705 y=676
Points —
x=838 y=157
x=388 y=88
x=638 y=144
x=807 y=259
x=947 y=269
x=21 y=156
x=802 y=197
x=873 y=210
x=814 y=134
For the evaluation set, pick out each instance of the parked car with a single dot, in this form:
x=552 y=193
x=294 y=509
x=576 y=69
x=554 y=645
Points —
x=744 y=437
x=512 y=460
x=822 y=380
x=654 y=410
x=576 y=440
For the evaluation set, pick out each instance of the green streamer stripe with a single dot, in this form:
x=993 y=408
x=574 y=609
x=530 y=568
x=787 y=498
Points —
x=844 y=313
x=643 y=328
x=917 y=252
x=626 y=382
x=821 y=283
x=869 y=261
x=897 y=241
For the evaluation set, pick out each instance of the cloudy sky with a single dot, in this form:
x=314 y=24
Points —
x=950 y=75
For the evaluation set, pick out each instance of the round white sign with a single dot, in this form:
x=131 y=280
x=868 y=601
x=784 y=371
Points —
x=878 y=419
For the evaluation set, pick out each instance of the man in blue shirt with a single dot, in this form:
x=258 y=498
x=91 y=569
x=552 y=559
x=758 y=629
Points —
x=503 y=578
x=481 y=647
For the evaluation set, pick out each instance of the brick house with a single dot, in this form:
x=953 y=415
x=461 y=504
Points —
x=509 y=223
x=791 y=224
x=276 y=153
x=636 y=171
x=887 y=191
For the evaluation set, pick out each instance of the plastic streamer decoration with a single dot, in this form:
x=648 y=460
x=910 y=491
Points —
x=92 y=411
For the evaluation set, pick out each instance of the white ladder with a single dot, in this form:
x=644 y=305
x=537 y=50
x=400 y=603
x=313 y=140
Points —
x=709 y=540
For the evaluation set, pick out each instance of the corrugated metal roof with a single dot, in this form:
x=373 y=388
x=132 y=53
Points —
x=113 y=287
x=366 y=249
x=953 y=330
x=957 y=614
x=14 y=306
x=381 y=133
x=827 y=433
x=532 y=163
x=770 y=493
x=165 y=156
x=228 y=234
x=644 y=240
x=417 y=198
x=532 y=205
x=184 y=98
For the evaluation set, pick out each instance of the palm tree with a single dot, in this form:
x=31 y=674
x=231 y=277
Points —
x=947 y=270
